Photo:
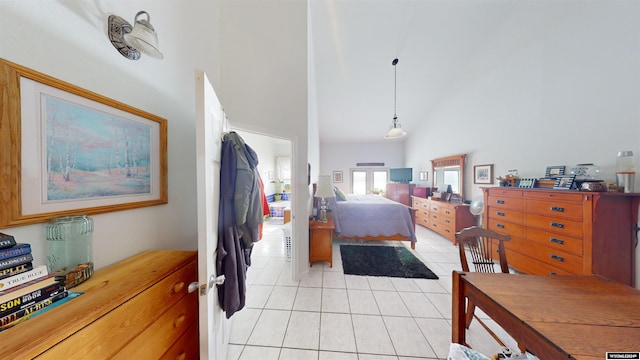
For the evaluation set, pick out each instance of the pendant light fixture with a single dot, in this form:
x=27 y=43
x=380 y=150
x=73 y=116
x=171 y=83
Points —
x=395 y=130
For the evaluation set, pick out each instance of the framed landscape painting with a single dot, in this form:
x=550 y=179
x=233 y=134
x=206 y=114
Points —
x=75 y=152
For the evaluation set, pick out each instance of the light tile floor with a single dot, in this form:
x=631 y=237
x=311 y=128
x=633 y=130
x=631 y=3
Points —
x=329 y=315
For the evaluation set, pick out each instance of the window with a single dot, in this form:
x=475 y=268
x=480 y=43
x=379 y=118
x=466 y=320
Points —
x=369 y=180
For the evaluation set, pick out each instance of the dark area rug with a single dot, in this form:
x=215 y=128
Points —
x=394 y=261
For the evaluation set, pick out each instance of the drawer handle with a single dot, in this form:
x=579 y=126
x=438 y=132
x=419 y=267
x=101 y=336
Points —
x=552 y=273
x=557 y=225
x=500 y=213
x=501 y=202
x=447 y=230
x=500 y=226
x=447 y=212
x=178 y=287
x=435 y=225
x=557 y=258
x=557 y=241
x=557 y=209
x=448 y=221
x=178 y=321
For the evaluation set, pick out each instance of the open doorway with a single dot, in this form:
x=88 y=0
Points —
x=274 y=166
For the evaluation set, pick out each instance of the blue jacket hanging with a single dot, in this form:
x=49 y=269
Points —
x=239 y=218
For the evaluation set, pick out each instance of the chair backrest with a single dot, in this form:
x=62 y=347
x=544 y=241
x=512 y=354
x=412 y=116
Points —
x=481 y=244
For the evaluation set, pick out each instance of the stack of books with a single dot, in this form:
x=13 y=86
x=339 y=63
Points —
x=24 y=289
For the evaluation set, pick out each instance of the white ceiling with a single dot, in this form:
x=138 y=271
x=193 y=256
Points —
x=440 y=44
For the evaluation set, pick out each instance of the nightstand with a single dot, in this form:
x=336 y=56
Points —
x=321 y=241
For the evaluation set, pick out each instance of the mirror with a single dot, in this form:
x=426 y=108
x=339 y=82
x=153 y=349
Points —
x=449 y=171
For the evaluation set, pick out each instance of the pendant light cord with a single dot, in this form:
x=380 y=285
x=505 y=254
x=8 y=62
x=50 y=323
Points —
x=395 y=89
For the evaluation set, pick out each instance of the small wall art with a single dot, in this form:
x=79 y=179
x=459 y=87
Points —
x=337 y=176
x=483 y=174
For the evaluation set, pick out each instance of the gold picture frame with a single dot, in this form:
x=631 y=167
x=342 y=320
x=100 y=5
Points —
x=70 y=132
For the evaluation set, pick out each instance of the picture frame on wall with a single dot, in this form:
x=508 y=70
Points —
x=337 y=176
x=423 y=176
x=483 y=174
x=75 y=151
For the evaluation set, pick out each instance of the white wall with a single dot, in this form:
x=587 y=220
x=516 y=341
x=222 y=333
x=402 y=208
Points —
x=68 y=40
x=264 y=87
x=566 y=92
x=344 y=157
x=259 y=88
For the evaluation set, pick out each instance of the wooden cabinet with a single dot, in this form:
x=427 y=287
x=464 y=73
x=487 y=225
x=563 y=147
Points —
x=400 y=192
x=566 y=232
x=444 y=217
x=321 y=241
x=138 y=308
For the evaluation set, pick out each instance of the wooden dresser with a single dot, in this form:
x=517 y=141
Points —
x=566 y=232
x=444 y=217
x=138 y=308
x=400 y=192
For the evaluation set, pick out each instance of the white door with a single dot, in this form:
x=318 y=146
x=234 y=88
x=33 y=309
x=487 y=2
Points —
x=214 y=327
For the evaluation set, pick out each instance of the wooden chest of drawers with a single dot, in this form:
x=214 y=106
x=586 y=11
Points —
x=566 y=232
x=444 y=217
x=138 y=308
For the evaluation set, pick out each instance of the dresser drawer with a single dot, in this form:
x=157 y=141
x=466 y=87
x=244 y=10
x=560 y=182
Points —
x=504 y=227
x=505 y=192
x=108 y=334
x=555 y=258
x=446 y=230
x=555 y=225
x=152 y=343
x=504 y=202
x=420 y=203
x=500 y=214
x=422 y=220
x=575 y=198
x=555 y=241
x=533 y=266
x=186 y=348
x=555 y=209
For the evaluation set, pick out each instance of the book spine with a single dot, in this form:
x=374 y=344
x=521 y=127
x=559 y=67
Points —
x=26 y=300
x=23 y=314
x=6 y=240
x=19 y=279
x=14 y=270
x=17 y=260
x=17 y=250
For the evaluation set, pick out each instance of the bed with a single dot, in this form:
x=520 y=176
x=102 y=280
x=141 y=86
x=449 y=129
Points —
x=373 y=217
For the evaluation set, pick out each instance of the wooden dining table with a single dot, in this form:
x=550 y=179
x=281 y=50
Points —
x=554 y=316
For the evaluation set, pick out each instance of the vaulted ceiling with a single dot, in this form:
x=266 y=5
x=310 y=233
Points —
x=440 y=46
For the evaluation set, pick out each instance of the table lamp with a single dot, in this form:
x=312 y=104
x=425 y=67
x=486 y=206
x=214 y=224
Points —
x=324 y=191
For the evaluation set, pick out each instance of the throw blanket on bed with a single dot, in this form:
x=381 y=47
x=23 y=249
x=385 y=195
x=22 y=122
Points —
x=371 y=215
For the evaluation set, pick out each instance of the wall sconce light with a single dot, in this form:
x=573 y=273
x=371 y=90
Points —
x=131 y=41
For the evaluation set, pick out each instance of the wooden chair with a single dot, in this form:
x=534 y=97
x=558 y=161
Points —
x=482 y=244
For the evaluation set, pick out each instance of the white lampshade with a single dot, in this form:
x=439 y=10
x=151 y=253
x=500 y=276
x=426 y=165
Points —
x=143 y=37
x=324 y=189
